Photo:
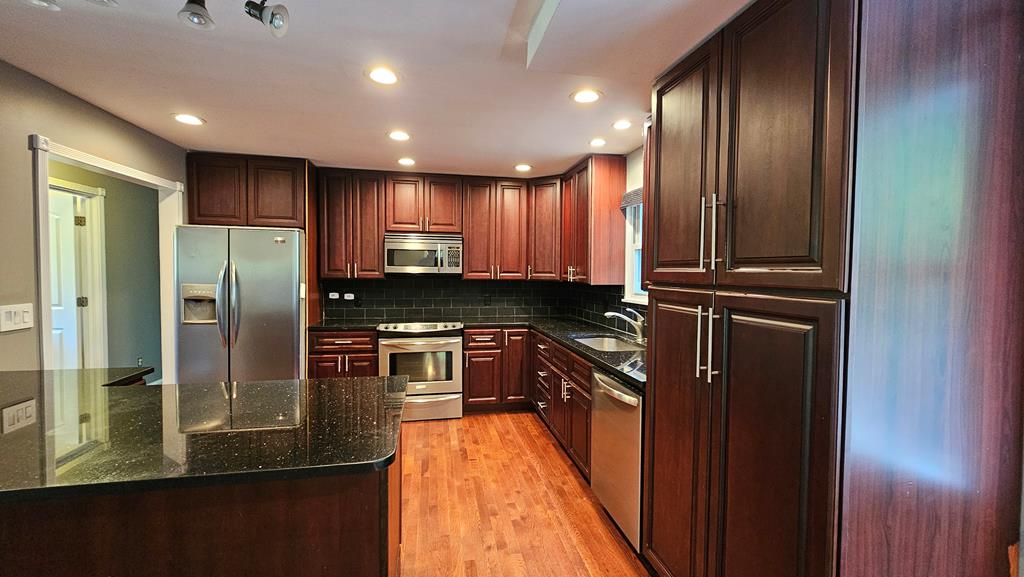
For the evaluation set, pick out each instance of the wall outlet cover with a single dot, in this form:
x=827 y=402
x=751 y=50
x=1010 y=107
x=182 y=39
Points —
x=333 y=296
x=18 y=416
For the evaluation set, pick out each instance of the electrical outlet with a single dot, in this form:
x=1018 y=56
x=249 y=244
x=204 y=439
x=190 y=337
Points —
x=350 y=297
x=18 y=416
x=138 y=362
x=333 y=296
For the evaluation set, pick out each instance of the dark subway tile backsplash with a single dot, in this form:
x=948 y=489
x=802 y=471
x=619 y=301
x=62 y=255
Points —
x=414 y=298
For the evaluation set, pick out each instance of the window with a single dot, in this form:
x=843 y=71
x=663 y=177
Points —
x=634 y=255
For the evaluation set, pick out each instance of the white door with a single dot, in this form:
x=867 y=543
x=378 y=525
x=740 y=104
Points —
x=67 y=347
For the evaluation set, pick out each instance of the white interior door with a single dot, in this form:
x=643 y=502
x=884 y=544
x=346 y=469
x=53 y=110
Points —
x=66 y=342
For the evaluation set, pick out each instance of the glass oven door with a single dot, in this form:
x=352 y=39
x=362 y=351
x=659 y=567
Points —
x=432 y=366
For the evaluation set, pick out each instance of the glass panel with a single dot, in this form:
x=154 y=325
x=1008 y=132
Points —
x=422 y=367
x=412 y=257
x=637 y=264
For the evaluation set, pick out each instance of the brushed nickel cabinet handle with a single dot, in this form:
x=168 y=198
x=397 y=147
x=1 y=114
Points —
x=700 y=332
x=714 y=235
x=356 y=269
x=346 y=363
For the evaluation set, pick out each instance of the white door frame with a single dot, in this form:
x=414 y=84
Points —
x=171 y=206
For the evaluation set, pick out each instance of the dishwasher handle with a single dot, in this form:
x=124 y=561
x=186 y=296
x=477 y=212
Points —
x=604 y=383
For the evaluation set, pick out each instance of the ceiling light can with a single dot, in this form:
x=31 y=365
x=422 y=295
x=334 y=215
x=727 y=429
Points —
x=190 y=119
x=399 y=135
x=382 y=75
x=406 y=161
x=523 y=168
x=622 y=124
x=598 y=142
x=586 y=95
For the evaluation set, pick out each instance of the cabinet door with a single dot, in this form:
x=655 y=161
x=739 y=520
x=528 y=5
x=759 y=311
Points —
x=361 y=365
x=510 y=232
x=578 y=428
x=443 y=204
x=786 y=68
x=516 y=378
x=367 y=225
x=277 y=192
x=478 y=230
x=335 y=218
x=326 y=367
x=581 y=225
x=684 y=169
x=774 y=436
x=543 y=259
x=482 y=378
x=677 y=430
x=404 y=206
x=568 y=231
x=217 y=189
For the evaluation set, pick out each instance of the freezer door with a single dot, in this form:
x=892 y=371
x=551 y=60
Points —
x=201 y=257
x=265 y=304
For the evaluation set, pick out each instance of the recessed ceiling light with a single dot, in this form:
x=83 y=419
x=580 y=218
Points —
x=189 y=119
x=523 y=168
x=406 y=161
x=399 y=135
x=622 y=124
x=598 y=142
x=50 y=5
x=383 y=75
x=586 y=96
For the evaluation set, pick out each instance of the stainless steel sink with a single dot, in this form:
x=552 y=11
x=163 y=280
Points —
x=609 y=344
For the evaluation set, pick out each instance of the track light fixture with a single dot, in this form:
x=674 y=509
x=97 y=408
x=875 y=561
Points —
x=274 y=17
x=194 y=14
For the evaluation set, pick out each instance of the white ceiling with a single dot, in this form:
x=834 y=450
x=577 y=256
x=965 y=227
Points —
x=465 y=92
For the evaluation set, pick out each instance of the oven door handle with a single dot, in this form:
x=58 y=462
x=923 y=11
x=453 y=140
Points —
x=406 y=344
x=414 y=400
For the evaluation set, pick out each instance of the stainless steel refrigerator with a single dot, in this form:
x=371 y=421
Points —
x=240 y=296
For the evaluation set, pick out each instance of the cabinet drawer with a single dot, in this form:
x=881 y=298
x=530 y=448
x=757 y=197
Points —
x=482 y=338
x=561 y=359
x=580 y=373
x=542 y=401
x=543 y=346
x=355 y=342
x=543 y=377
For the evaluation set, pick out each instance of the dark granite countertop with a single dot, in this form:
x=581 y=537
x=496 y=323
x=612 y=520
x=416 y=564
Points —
x=165 y=435
x=81 y=378
x=629 y=367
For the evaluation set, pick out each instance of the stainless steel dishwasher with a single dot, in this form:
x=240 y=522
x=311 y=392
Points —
x=615 y=445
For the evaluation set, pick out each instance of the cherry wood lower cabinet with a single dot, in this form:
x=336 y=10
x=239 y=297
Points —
x=742 y=428
x=342 y=354
x=496 y=372
x=562 y=398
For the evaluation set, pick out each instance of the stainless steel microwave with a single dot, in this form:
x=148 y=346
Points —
x=422 y=254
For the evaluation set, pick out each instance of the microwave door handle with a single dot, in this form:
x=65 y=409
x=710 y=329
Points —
x=440 y=257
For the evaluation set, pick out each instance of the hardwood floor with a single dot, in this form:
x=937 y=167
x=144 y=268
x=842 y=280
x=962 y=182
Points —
x=493 y=495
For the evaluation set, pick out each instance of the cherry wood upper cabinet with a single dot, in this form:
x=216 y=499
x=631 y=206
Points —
x=786 y=78
x=335 y=220
x=543 y=229
x=678 y=411
x=684 y=170
x=277 y=192
x=478 y=237
x=774 y=424
x=593 y=227
x=237 y=190
x=367 y=225
x=443 y=203
x=404 y=204
x=217 y=189
x=510 y=232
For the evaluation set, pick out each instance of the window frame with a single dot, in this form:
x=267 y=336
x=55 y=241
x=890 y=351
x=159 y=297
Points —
x=634 y=242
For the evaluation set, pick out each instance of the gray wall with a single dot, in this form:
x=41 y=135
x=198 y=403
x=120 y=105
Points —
x=29 y=105
x=635 y=169
x=132 y=244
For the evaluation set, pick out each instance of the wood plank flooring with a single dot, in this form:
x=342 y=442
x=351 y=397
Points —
x=493 y=496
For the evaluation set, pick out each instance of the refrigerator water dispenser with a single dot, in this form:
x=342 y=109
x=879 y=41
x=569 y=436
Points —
x=198 y=304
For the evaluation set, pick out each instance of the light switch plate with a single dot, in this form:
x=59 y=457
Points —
x=18 y=416
x=17 y=317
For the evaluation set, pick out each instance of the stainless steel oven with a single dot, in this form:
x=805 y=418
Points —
x=430 y=354
x=422 y=254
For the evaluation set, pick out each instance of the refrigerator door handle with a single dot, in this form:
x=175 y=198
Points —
x=236 y=305
x=220 y=301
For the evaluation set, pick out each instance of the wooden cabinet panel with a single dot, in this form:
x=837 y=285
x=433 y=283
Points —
x=404 y=205
x=361 y=365
x=593 y=228
x=684 y=170
x=544 y=225
x=559 y=414
x=578 y=428
x=367 y=225
x=335 y=218
x=325 y=367
x=217 y=189
x=516 y=378
x=510 y=230
x=276 y=192
x=678 y=412
x=343 y=342
x=581 y=199
x=478 y=248
x=775 y=425
x=481 y=338
x=786 y=69
x=443 y=203
x=568 y=228
x=482 y=377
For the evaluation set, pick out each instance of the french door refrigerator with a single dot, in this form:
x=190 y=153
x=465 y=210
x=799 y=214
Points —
x=240 y=313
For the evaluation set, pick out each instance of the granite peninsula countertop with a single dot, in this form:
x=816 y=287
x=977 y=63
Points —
x=165 y=435
x=82 y=378
x=629 y=367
